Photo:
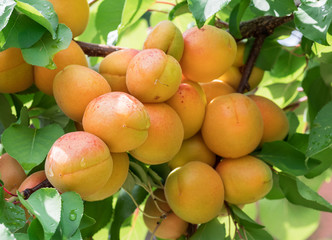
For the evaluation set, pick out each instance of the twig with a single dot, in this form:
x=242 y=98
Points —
x=296 y=104
x=97 y=50
x=192 y=228
x=221 y=24
x=168 y=3
x=92 y=2
x=44 y=184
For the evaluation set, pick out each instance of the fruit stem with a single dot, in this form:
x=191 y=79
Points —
x=5 y=189
x=44 y=184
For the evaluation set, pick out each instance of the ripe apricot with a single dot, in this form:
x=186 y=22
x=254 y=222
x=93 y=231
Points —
x=246 y=179
x=276 y=124
x=255 y=77
x=114 y=68
x=164 y=137
x=116 y=180
x=233 y=125
x=72 y=55
x=171 y=227
x=74 y=13
x=80 y=162
x=232 y=77
x=167 y=37
x=119 y=119
x=15 y=74
x=33 y=180
x=11 y=173
x=195 y=192
x=75 y=86
x=208 y=53
x=215 y=89
x=152 y=76
x=193 y=149
x=239 y=58
x=189 y=102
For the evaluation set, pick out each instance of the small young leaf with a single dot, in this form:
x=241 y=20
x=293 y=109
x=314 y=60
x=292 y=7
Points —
x=178 y=10
x=6 y=9
x=243 y=219
x=139 y=170
x=210 y=231
x=235 y=18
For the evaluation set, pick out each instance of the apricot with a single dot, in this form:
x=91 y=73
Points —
x=189 y=102
x=74 y=13
x=116 y=180
x=239 y=58
x=165 y=135
x=195 y=192
x=11 y=173
x=215 y=89
x=79 y=162
x=246 y=179
x=208 y=53
x=233 y=125
x=276 y=125
x=114 y=68
x=15 y=74
x=171 y=227
x=75 y=86
x=152 y=76
x=44 y=76
x=255 y=77
x=193 y=149
x=119 y=119
x=167 y=37
x=232 y=77
x=33 y=180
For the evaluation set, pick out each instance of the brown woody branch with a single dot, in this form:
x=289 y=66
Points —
x=44 y=184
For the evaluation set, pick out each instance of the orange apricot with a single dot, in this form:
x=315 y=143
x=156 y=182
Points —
x=239 y=58
x=232 y=77
x=33 y=180
x=215 y=89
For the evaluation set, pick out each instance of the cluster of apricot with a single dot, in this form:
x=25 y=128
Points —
x=173 y=102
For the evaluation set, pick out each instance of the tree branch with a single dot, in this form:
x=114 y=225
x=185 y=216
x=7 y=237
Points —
x=97 y=50
x=44 y=184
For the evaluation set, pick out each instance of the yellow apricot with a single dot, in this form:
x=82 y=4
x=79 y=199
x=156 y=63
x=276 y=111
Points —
x=233 y=125
x=74 y=13
x=75 y=86
x=246 y=179
x=189 y=102
x=119 y=119
x=215 y=89
x=208 y=53
x=232 y=77
x=164 y=137
x=15 y=74
x=239 y=58
x=44 y=76
x=11 y=173
x=193 y=149
x=195 y=192
x=255 y=77
x=172 y=227
x=152 y=76
x=167 y=37
x=114 y=68
x=79 y=162
x=276 y=125
x=116 y=180
x=33 y=180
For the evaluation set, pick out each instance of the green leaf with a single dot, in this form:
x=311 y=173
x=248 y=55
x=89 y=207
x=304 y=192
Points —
x=30 y=146
x=21 y=236
x=326 y=162
x=6 y=9
x=273 y=7
x=268 y=55
x=5 y=233
x=86 y=222
x=204 y=9
x=313 y=19
x=235 y=18
x=275 y=192
x=132 y=12
x=243 y=219
x=45 y=204
x=130 y=182
x=11 y=215
x=293 y=123
x=210 y=230
x=257 y=234
x=35 y=230
x=6 y=116
x=124 y=208
x=41 y=11
x=71 y=213
x=53 y=115
x=139 y=170
x=299 y=141
x=101 y=211
x=43 y=51
x=300 y=194
x=178 y=10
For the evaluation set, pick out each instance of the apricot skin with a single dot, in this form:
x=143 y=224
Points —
x=276 y=125
x=119 y=119
x=74 y=13
x=215 y=89
x=246 y=179
x=114 y=68
x=80 y=162
x=166 y=37
x=193 y=149
x=189 y=102
x=239 y=58
x=33 y=180
x=233 y=125
x=152 y=76
x=195 y=192
x=44 y=77
x=11 y=173
x=116 y=180
x=208 y=53
x=15 y=74
x=172 y=227
x=75 y=86
x=165 y=135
